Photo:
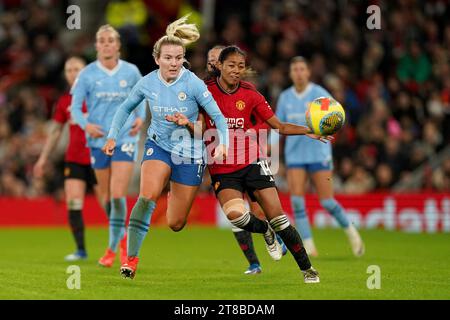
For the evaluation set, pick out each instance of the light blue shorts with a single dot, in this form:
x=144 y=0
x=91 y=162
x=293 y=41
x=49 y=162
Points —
x=125 y=152
x=312 y=167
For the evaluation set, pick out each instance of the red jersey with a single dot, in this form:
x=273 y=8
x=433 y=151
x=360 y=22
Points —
x=242 y=109
x=76 y=150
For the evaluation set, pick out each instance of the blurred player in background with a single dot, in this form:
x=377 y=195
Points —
x=78 y=173
x=249 y=171
x=306 y=157
x=169 y=89
x=105 y=84
x=243 y=237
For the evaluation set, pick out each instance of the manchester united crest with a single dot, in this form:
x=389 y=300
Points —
x=240 y=105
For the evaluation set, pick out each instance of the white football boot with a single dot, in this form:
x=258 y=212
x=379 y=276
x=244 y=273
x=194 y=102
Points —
x=311 y=275
x=272 y=245
x=355 y=240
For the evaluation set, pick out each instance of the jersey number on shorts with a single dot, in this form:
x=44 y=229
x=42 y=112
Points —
x=266 y=169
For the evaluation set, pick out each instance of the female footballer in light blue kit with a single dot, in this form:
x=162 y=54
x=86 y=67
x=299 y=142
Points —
x=304 y=156
x=171 y=89
x=104 y=84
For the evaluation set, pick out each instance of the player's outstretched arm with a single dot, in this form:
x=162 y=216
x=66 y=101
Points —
x=290 y=129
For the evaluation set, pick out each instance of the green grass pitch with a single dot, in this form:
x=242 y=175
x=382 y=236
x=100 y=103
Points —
x=206 y=263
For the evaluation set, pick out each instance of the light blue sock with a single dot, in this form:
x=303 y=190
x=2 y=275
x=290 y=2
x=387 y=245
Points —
x=301 y=219
x=117 y=222
x=335 y=209
x=139 y=225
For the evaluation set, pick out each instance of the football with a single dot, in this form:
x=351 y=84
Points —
x=325 y=116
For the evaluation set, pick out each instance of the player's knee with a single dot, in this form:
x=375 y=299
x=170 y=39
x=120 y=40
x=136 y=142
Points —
x=149 y=196
x=234 y=215
x=177 y=224
x=115 y=194
x=75 y=204
x=234 y=208
x=329 y=204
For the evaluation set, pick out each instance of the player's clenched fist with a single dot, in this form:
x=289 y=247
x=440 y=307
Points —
x=109 y=146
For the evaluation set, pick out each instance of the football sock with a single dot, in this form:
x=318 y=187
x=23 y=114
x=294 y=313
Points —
x=117 y=222
x=77 y=228
x=292 y=240
x=336 y=210
x=250 y=223
x=301 y=219
x=139 y=224
x=107 y=209
x=245 y=241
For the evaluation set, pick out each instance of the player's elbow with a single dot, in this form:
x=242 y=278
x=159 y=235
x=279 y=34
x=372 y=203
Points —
x=281 y=127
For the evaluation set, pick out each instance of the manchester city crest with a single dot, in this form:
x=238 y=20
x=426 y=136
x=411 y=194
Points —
x=182 y=96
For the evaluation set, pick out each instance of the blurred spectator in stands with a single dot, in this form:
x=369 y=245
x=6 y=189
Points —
x=372 y=58
x=417 y=156
x=391 y=154
x=414 y=67
x=359 y=182
x=435 y=106
x=441 y=177
x=10 y=185
x=233 y=33
x=367 y=155
x=384 y=178
x=345 y=169
x=277 y=79
x=432 y=138
x=318 y=68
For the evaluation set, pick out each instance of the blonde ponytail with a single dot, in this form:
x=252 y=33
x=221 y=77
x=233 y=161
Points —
x=177 y=33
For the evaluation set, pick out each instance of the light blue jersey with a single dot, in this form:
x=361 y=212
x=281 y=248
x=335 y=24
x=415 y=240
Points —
x=291 y=108
x=184 y=95
x=104 y=90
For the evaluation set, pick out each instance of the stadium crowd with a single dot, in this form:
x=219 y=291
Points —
x=393 y=82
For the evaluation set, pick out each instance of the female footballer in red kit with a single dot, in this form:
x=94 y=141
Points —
x=245 y=170
x=78 y=173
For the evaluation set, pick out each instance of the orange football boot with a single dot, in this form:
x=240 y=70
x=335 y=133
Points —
x=128 y=269
x=108 y=258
